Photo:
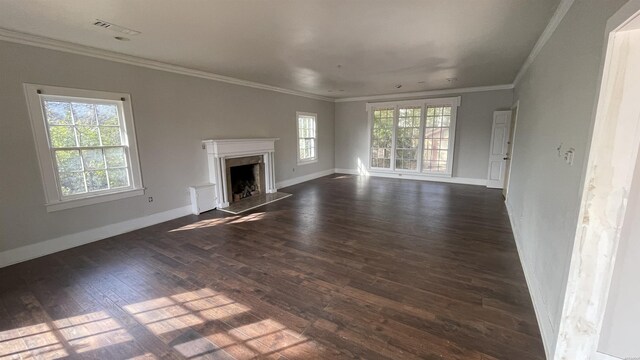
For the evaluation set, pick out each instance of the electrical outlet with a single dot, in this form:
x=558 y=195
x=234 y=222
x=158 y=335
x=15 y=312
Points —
x=150 y=199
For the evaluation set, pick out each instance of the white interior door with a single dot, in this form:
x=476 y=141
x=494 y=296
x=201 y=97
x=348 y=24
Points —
x=499 y=149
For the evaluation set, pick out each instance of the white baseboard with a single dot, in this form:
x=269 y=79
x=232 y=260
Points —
x=452 y=180
x=544 y=321
x=603 y=356
x=301 y=179
x=347 y=171
x=51 y=246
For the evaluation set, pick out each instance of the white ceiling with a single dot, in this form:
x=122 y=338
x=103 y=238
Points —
x=333 y=48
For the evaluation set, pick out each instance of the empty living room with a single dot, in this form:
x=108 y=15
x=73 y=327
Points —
x=320 y=179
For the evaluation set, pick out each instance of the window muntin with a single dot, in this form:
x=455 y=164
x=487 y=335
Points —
x=413 y=136
x=382 y=137
x=307 y=138
x=85 y=143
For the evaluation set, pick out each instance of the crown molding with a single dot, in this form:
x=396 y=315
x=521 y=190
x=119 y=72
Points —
x=558 y=15
x=52 y=44
x=427 y=93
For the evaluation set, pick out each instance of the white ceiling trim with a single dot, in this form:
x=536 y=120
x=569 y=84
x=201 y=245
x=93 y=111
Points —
x=427 y=93
x=558 y=15
x=48 y=43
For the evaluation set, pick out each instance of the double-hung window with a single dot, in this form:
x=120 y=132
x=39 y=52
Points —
x=415 y=136
x=85 y=144
x=307 y=138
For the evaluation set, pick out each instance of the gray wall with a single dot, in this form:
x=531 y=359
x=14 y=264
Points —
x=557 y=97
x=473 y=132
x=172 y=114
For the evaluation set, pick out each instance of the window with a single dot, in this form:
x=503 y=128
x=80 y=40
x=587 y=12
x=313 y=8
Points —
x=307 y=138
x=414 y=136
x=382 y=138
x=85 y=144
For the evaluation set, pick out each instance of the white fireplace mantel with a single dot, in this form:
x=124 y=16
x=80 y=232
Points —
x=218 y=150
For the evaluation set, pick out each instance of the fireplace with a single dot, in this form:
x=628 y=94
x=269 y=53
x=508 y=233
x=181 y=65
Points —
x=255 y=173
x=245 y=177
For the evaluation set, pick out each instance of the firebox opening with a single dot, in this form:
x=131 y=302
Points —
x=245 y=177
x=245 y=181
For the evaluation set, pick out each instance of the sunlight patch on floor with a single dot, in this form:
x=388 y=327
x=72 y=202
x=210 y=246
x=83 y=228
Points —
x=237 y=219
x=77 y=334
x=196 y=309
x=194 y=323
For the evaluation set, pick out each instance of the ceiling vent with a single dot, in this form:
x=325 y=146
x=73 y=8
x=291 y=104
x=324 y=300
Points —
x=117 y=28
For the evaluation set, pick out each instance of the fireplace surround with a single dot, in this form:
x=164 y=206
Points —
x=249 y=161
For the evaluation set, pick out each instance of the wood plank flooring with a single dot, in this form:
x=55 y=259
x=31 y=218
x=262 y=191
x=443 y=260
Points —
x=346 y=268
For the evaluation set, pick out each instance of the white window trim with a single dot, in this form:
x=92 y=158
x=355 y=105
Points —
x=53 y=198
x=315 y=158
x=454 y=102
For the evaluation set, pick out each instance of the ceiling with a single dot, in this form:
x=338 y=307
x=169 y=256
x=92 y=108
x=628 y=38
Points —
x=332 y=48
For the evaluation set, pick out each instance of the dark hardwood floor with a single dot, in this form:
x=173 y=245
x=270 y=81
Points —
x=347 y=267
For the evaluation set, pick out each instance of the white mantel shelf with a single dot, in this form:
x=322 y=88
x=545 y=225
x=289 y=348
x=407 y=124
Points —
x=218 y=150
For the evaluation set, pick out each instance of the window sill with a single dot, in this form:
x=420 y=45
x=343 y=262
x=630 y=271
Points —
x=307 y=162
x=69 y=204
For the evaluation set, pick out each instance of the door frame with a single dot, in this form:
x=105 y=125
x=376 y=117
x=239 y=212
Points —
x=514 y=122
x=609 y=173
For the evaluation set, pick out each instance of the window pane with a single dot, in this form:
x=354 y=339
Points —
x=107 y=115
x=57 y=113
x=381 y=136
x=115 y=157
x=436 y=139
x=72 y=183
x=68 y=160
x=96 y=180
x=407 y=136
x=93 y=159
x=83 y=114
x=110 y=135
x=62 y=136
x=88 y=136
x=118 y=178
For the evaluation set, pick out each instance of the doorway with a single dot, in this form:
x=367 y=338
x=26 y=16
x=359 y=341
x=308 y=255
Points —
x=605 y=195
x=498 y=152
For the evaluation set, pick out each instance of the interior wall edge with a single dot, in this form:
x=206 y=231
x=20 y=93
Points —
x=542 y=314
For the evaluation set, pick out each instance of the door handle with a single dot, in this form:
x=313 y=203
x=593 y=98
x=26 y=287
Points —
x=506 y=158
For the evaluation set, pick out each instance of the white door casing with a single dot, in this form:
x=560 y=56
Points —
x=498 y=153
